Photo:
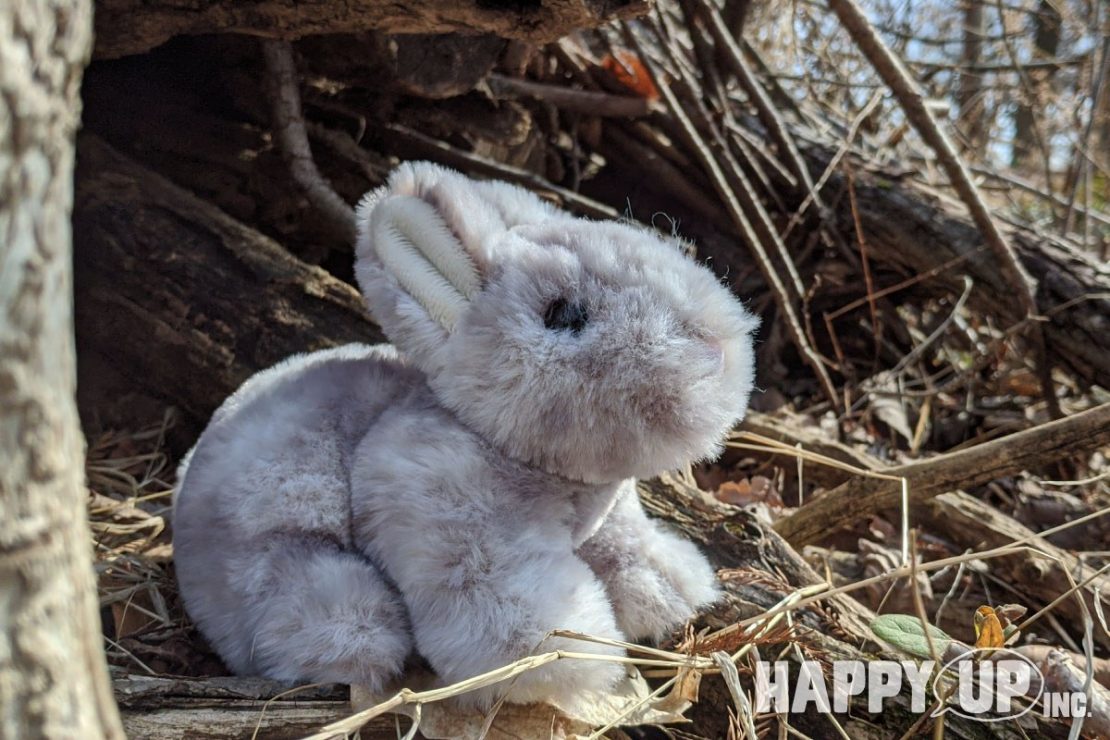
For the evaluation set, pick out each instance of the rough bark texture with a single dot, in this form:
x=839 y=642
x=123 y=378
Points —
x=972 y=122
x=53 y=679
x=207 y=709
x=183 y=300
x=1046 y=37
x=133 y=26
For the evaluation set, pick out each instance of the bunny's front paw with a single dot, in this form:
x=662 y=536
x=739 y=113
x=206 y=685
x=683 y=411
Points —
x=656 y=589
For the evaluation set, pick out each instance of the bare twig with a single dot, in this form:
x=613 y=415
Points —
x=765 y=109
x=289 y=129
x=1049 y=197
x=443 y=152
x=842 y=150
x=588 y=102
x=869 y=284
x=856 y=499
x=727 y=194
x=1082 y=151
x=347 y=147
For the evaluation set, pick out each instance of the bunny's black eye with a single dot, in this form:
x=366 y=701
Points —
x=562 y=314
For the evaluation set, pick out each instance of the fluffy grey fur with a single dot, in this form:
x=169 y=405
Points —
x=468 y=495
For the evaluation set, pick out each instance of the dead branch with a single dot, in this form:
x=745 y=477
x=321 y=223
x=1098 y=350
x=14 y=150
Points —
x=859 y=498
x=472 y=163
x=288 y=122
x=586 y=102
x=731 y=202
x=761 y=101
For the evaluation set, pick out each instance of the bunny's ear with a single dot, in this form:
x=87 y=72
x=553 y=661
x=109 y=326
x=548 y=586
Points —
x=427 y=240
x=428 y=261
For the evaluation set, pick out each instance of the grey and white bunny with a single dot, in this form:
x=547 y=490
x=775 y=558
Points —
x=466 y=495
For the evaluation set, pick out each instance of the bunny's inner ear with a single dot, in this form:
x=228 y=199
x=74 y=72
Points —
x=431 y=264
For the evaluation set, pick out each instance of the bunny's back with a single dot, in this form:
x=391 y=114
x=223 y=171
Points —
x=272 y=469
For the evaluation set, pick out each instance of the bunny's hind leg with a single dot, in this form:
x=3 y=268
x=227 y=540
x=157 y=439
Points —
x=325 y=615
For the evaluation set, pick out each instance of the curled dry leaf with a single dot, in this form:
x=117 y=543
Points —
x=631 y=73
x=988 y=629
x=746 y=491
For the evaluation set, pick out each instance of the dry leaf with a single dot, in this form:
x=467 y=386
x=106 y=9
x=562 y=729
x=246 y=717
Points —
x=631 y=73
x=747 y=491
x=1010 y=613
x=891 y=412
x=988 y=629
x=686 y=685
x=735 y=492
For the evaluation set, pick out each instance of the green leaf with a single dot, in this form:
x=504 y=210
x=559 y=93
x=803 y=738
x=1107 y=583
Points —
x=905 y=632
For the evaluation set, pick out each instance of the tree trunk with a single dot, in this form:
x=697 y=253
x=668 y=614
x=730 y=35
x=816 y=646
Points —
x=53 y=678
x=972 y=109
x=1047 y=41
x=1100 y=143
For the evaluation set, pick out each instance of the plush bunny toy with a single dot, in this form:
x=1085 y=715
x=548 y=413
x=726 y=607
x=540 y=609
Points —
x=464 y=496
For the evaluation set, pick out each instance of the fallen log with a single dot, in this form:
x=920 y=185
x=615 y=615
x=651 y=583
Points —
x=160 y=708
x=910 y=228
x=133 y=26
x=184 y=301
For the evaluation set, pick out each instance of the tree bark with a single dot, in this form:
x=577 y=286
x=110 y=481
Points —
x=133 y=26
x=858 y=498
x=972 y=121
x=184 y=301
x=1046 y=39
x=53 y=677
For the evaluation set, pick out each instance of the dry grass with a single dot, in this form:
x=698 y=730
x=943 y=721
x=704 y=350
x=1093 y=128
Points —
x=130 y=480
